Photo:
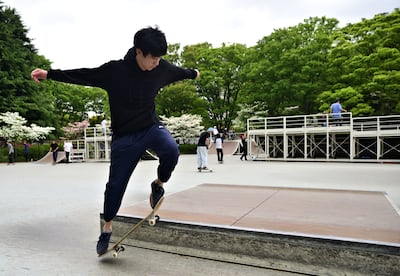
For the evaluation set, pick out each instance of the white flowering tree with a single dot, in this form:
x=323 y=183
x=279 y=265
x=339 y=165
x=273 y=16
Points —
x=13 y=127
x=184 y=127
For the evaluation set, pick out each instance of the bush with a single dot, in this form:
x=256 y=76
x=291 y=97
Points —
x=187 y=148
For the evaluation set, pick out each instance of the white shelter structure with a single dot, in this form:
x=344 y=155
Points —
x=320 y=137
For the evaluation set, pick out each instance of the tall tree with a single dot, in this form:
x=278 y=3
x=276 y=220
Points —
x=366 y=57
x=179 y=98
x=288 y=68
x=219 y=84
x=47 y=103
x=17 y=58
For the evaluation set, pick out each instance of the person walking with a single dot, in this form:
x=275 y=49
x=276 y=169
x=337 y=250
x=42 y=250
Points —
x=54 y=150
x=219 y=147
x=67 y=149
x=132 y=85
x=10 y=153
x=243 y=145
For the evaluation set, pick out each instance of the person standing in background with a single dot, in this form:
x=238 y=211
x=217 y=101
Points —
x=54 y=150
x=104 y=126
x=219 y=147
x=67 y=149
x=243 y=145
x=10 y=153
x=26 y=151
x=336 y=111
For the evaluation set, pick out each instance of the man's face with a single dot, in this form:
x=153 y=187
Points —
x=146 y=63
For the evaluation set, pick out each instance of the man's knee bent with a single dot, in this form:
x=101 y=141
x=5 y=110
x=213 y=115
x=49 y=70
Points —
x=168 y=161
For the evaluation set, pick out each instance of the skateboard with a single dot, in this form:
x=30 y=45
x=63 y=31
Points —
x=204 y=170
x=152 y=219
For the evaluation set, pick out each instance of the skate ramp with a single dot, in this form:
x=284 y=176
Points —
x=48 y=158
x=229 y=147
x=311 y=231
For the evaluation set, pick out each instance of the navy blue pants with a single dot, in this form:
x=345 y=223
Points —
x=125 y=154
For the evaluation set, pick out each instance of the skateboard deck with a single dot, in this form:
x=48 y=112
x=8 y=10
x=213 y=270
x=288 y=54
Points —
x=205 y=170
x=152 y=219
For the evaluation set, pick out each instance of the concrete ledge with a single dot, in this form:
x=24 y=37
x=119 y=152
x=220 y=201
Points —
x=283 y=251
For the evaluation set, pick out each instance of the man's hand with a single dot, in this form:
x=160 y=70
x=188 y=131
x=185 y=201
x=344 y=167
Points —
x=39 y=74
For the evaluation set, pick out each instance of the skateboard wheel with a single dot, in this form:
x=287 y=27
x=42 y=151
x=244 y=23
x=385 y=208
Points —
x=152 y=221
x=117 y=250
x=157 y=217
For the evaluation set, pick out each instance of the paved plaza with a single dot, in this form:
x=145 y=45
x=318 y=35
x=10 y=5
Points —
x=51 y=223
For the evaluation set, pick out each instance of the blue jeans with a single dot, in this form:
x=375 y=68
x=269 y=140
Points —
x=126 y=151
x=55 y=155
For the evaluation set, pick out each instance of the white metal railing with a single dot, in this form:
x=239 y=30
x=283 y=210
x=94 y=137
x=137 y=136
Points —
x=377 y=123
x=92 y=132
x=299 y=121
x=305 y=136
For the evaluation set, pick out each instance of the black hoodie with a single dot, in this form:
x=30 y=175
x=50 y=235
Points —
x=131 y=91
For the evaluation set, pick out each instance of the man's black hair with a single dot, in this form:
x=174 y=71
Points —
x=151 y=41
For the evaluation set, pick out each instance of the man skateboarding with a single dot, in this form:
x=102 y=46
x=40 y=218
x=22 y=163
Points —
x=132 y=85
x=202 y=150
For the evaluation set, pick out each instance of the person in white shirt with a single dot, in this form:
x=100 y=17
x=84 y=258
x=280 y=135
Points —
x=67 y=149
x=219 y=147
x=104 y=126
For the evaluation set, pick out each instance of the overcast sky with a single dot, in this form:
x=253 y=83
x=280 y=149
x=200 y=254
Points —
x=87 y=33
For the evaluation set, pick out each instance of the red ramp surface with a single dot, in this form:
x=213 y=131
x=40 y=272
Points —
x=336 y=214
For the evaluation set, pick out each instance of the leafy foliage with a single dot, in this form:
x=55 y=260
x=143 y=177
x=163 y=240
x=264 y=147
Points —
x=17 y=58
x=219 y=84
x=47 y=103
x=366 y=57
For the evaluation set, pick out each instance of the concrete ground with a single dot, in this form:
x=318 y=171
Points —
x=50 y=213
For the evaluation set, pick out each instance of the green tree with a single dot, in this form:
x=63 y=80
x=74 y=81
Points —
x=288 y=68
x=351 y=100
x=73 y=102
x=366 y=57
x=219 y=84
x=17 y=58
x=46 y=103
x=178 y=99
